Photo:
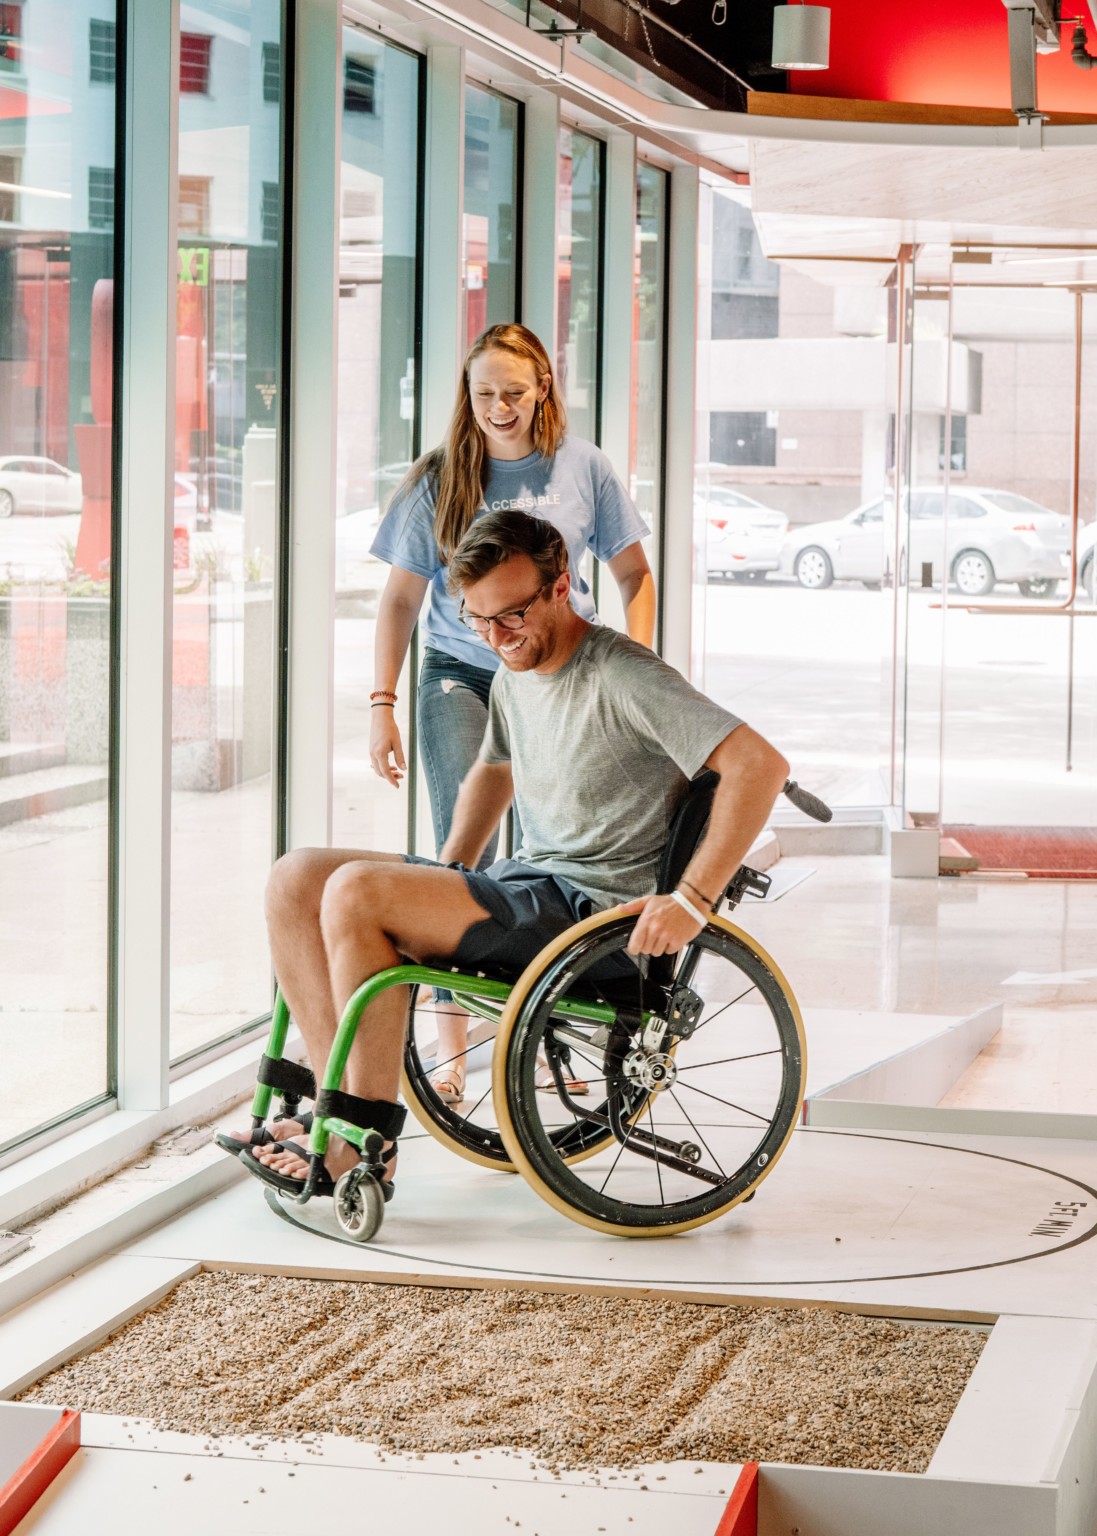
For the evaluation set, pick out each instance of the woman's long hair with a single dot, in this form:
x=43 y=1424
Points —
x=459 y=466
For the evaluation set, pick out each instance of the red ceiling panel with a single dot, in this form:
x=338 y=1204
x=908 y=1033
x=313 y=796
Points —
x=946 y=52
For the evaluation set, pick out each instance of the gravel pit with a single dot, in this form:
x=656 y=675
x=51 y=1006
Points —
x=576 y=1381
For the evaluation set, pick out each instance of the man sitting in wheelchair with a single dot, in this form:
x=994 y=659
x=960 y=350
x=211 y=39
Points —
x=595 y=739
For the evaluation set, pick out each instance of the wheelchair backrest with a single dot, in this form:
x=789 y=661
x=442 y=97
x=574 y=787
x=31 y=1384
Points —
x=687 y=828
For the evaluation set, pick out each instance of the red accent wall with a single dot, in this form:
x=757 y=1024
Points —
x=945 y=52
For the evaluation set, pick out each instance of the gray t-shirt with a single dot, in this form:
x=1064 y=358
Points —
x=601 y=753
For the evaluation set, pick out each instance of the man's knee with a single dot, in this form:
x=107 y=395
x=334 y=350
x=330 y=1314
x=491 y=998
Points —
x=296 y=882
x=354 y=896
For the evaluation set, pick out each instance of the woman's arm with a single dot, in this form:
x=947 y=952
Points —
x=631 y=572
x=396 y=618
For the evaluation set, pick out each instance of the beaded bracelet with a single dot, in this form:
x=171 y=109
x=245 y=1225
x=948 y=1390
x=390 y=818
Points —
x=382 y=693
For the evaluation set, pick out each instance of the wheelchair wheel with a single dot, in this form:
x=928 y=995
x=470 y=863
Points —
x=471 y=1128
x=701 y=1077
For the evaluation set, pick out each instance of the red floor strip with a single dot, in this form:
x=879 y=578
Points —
x=740 y=1518
x=28 y=1485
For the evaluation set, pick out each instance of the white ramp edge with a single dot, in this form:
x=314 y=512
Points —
x=904 y=1092
x=922 y=1073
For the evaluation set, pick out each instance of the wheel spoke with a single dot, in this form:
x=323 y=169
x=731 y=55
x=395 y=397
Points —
x=616 y=1160
x=726 y=1061
x=482 y=1099
x=728 y=1103
x=658 y=1159
x=724 y=1008
x=693 y=1127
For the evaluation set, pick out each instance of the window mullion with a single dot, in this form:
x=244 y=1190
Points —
x=145 y=563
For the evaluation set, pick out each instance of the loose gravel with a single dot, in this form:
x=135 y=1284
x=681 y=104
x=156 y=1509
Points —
x=576 y=1381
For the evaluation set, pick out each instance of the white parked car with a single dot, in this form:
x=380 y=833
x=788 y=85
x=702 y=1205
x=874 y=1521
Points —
x=1087 y=566
x=29 y=484
x=993 y=536
x=744 y=538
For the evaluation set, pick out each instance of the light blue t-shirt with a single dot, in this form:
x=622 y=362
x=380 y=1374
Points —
x=576 y=491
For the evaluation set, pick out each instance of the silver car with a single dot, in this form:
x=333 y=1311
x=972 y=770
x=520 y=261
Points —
x=993 y=536
x=744 y=538
x=29 y=484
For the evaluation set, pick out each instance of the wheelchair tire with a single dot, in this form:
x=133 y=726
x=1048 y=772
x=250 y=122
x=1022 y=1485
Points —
x=469 y=1128
x=719 y=1141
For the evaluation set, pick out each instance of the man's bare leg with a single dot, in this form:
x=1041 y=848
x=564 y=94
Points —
x=335 y=920
x=295 y=889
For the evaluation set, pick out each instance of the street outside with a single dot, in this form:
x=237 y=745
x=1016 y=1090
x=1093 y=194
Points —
x=812 y=671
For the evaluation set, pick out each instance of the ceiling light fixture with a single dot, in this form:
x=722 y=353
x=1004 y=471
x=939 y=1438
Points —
x=801 y=37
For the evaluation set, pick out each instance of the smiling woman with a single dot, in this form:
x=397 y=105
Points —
x=507 y=447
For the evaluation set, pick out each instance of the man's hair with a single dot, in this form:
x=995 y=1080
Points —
x=499 y=536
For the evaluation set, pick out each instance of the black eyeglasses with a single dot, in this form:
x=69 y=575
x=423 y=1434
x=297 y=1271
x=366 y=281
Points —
x=513 y=618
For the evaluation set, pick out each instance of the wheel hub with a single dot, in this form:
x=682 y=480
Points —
x=654 y=1071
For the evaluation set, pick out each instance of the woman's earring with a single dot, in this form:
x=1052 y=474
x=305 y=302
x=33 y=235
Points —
x=540 y=418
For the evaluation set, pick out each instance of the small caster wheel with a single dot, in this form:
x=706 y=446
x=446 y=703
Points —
x=359 y=1204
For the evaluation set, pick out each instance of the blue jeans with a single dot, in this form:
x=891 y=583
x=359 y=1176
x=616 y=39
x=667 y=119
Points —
x=453 y=715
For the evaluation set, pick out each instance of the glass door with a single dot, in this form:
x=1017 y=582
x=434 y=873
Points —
x=1002 y=644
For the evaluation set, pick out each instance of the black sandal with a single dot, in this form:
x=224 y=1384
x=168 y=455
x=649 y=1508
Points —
x=292 y=1082
x=324 y=1184
x=261 y=1135
x=379 y=1115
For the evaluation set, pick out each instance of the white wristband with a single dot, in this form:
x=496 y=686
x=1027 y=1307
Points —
x=687 y=906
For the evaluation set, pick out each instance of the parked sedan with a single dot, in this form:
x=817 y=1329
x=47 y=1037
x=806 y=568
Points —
x=744 y=538
x=993 y=536
x=1087 y=566
x=30 y=484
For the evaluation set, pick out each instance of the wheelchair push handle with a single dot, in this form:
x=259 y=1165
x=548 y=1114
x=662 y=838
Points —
x=805 y=801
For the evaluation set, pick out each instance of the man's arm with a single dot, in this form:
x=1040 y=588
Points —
x=752 y=775
x=482 y=801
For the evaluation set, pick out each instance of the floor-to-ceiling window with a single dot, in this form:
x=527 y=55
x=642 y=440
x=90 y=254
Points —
x=490 y=221
x=648 y=350
x=225 y=515
x=59 y=68
x=579 y=279
x=377 y=426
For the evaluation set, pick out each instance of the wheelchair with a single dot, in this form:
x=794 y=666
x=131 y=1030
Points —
x=694 y=1063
